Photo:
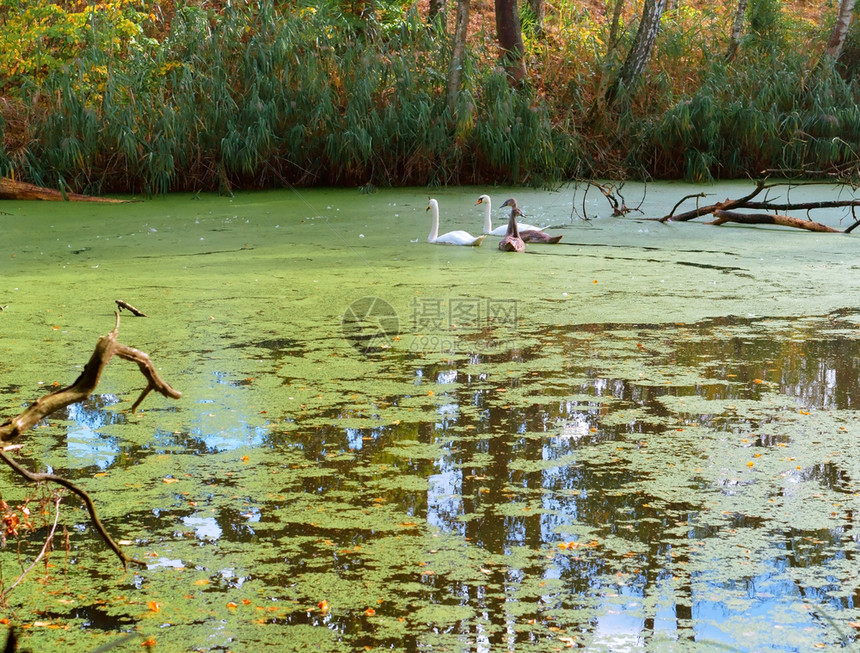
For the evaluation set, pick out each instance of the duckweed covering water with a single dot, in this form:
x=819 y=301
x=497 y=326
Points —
x=639 y=439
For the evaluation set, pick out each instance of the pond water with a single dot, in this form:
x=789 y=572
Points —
x=641 y=438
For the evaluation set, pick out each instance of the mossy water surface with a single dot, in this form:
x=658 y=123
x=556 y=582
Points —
x=638 y=439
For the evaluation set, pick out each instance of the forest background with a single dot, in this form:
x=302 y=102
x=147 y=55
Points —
x=135 y=96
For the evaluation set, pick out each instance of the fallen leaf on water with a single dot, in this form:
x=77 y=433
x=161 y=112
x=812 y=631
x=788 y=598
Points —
x=168 y=479
x=323 y=606
x=153 y=605
x=202 y=581
x=232 y=605
x=370 y=612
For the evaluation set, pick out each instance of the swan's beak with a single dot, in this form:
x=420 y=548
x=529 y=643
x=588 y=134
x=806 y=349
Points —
x=427 y=209
x=480 y=201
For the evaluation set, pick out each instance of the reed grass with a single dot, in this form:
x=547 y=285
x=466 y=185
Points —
x=268 y=95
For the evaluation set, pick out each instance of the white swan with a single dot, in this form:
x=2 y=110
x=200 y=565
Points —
x=488 y=222
x=452 y=237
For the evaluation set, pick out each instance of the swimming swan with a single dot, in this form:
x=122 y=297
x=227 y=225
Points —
x=531 y=234
x=452 y=237
x=512 y=241
x=488 y=222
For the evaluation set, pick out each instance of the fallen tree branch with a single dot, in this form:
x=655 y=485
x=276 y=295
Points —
x=45 y=548
x=131 y=309
x=91 y=508
x=729 y=210
x=83 y=386
x=20 y=190
x=106 y=347
x=721 y=217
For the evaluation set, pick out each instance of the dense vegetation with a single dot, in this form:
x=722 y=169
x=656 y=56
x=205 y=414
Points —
x=135 y=96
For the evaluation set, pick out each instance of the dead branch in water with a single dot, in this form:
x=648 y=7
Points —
x=106 y=347
x=727 y=210
x=131 y=309
x=609 y=191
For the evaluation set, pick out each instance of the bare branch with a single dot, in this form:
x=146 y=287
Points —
x=83 y=386
x=721 y=217
x=48 y=544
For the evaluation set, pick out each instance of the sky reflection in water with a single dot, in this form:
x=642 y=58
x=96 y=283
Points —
x=574 y=477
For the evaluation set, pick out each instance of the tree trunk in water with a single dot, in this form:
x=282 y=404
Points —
x=737 y=29
x=539 y=11
x=840 y=29
x=640 y=53
x=510 y=40
x=458 y=54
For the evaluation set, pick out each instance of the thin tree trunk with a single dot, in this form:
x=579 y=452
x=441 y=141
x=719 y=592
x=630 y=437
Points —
x=613 y=27
x=840 y=29
x=437 y=11
x=737 y=29
x=510 y=39
x=458 y=54
x=641 y=51
x=539 y=11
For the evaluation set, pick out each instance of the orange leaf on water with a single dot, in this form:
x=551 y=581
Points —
x=232 y=605
x=153 y=605
x=370 y=612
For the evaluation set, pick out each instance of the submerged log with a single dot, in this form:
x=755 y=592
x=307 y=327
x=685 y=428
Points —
x=20 y=190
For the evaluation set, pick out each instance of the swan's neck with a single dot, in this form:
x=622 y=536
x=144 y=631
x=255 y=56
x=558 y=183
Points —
x=513 y=229
x=488 y=222
x=434 y=230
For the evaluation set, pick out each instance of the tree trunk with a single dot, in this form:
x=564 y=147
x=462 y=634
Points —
x=458 y=54
x=510 y=40
x=19 y=190
x=641 y=51
x=721 y=217
x=436 y=12
x=613 y=27
x=840 y=29
x=539 y=11
x=737 y=29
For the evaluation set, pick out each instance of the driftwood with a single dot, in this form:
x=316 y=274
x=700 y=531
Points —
x=131 y=309
x=106 y=347
x=20 y=190
x=721 y=217
x=727 y=211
